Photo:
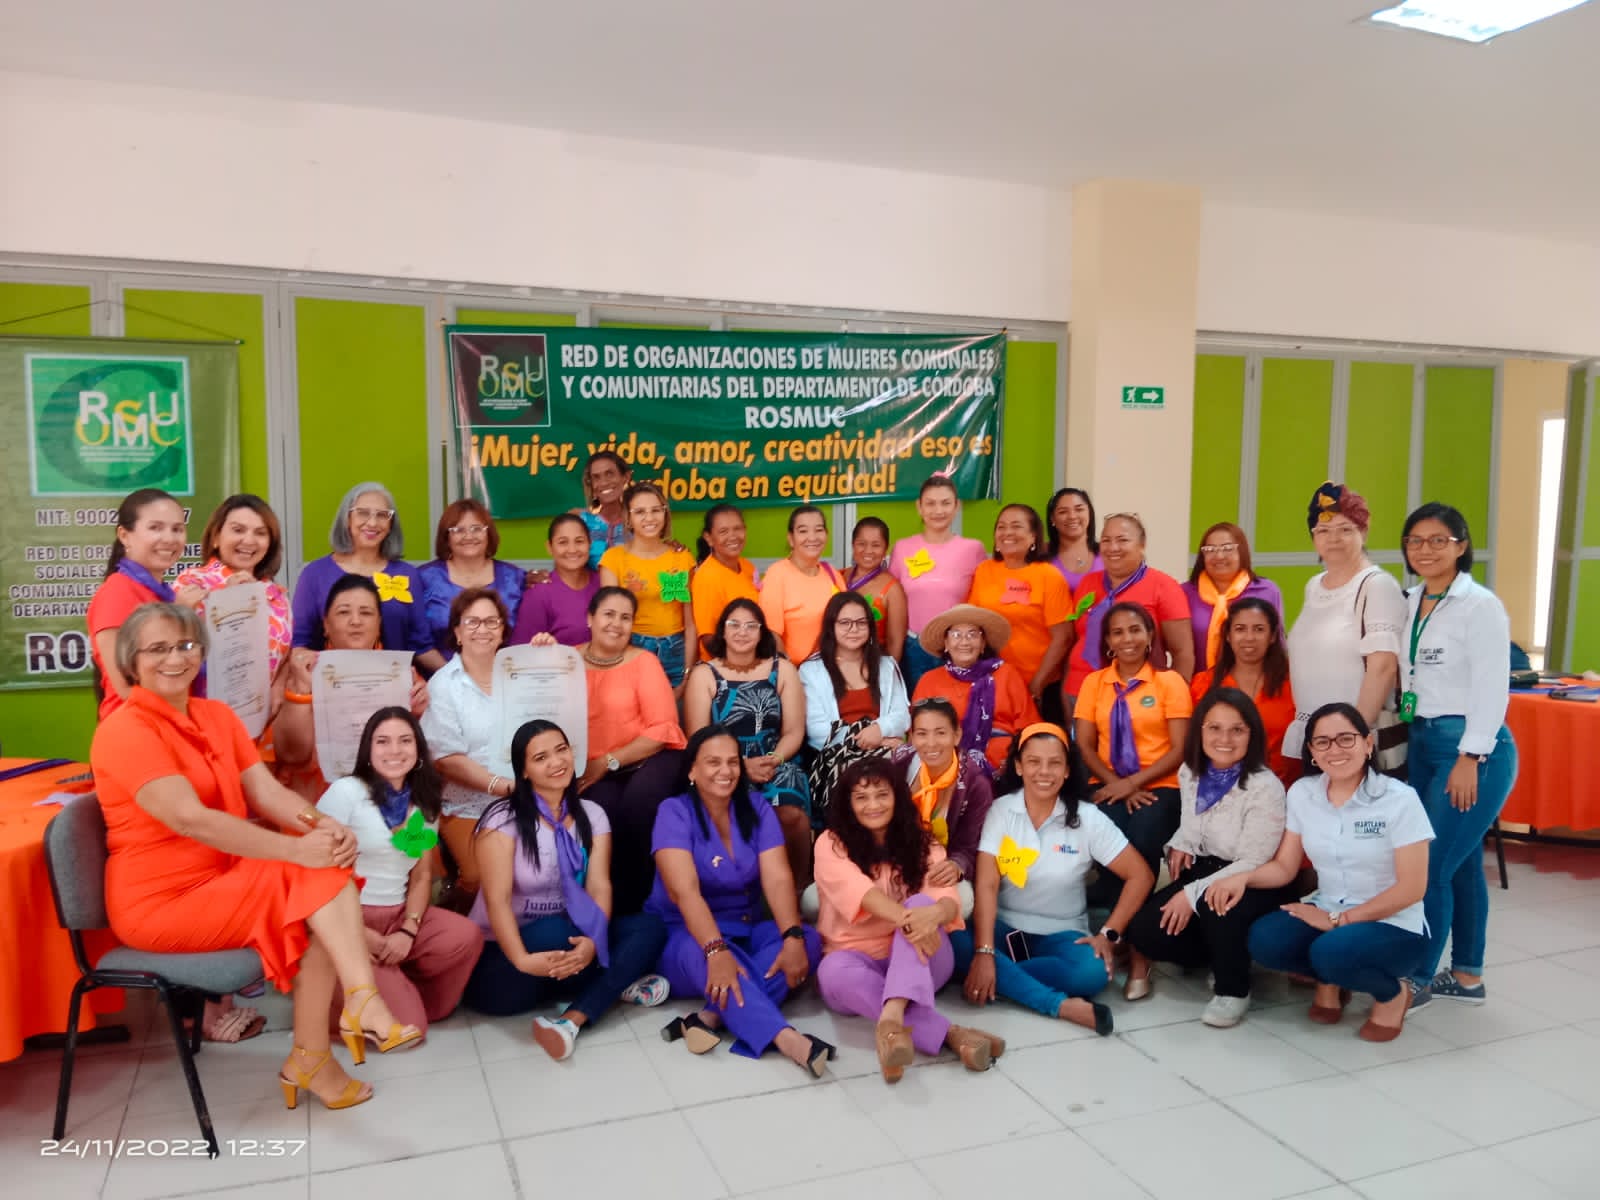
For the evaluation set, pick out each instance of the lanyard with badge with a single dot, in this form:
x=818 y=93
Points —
x=1408 y=698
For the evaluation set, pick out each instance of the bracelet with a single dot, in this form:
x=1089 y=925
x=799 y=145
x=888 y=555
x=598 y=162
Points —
x=494 y=785
x=989 y=950
x=308 y=816
x=410 y=933
x=715 y=946
x=417 y=917
x=296 y=697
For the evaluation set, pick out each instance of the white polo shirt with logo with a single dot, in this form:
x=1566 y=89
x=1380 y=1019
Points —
x=1352 y=846
x=1042 y=871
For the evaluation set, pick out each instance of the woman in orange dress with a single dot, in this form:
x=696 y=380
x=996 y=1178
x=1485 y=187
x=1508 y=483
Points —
x=189 y=872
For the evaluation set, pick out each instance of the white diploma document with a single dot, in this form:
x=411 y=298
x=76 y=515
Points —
x=237 y=671
x=541 y=683
x=347 y=687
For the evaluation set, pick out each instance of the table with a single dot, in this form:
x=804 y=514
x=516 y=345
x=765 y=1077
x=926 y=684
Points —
x=37 y=971
x=1558 y=757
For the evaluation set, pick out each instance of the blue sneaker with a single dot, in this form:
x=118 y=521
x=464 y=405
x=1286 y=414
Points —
x=1421 y=997
x=1447 y=987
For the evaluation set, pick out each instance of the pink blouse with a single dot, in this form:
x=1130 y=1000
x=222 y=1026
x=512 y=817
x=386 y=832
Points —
x=280 y=626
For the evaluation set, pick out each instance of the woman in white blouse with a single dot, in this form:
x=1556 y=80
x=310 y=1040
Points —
x=1345 y=644
x=1462 y=761
x=1362 y=930
x=460 y=724
x=1233 y=813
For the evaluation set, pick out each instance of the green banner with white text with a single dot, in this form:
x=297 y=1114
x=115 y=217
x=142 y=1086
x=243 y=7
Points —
x=755 y=419
x=91 y=420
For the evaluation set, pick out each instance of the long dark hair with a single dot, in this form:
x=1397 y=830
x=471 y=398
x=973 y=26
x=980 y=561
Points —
x=702 y=544
x=871 y=653
x=1255 y=755
x=1053 y=538
x=1274 y=667
x=1074 y=788
x=1351 y=713
x=128 y=516
x=905 y=842
x=743 y=807
x=1451 y=518
x=716 y=642
x=423 y=780
x=523 y=804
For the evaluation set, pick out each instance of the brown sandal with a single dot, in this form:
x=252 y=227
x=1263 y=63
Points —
x=974 y=1047
x=895 y=1051
x=1322 y=1014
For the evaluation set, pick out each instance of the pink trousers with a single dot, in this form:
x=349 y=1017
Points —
x=427 y=984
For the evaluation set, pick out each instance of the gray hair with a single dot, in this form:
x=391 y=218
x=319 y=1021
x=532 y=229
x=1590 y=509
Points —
x=394 y=545
x=186 y=618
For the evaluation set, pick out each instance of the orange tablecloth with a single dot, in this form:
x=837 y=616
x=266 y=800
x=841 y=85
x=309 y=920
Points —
x=1558 y=755
x=36 y=967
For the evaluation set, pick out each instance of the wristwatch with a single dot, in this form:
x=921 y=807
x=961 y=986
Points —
x=1335 y=919
x=1480 y=759
x=795 y=931
x=613 y=763
x=1111 y=935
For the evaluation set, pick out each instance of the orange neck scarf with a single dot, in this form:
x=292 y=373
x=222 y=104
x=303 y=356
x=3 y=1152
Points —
x=927 y=789
x=1219 y=602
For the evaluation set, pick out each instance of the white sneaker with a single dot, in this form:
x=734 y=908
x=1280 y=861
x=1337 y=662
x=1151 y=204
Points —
x=1224 y=1012
x=647 y=991
x=556 y=1038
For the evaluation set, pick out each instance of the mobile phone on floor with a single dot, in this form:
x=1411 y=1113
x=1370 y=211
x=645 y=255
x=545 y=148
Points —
x=1017 y=946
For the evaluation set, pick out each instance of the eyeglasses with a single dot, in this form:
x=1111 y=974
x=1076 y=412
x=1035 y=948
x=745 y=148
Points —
x=1223 y=548
x=473 y=529
x=1437 y=542
x=163 y=649
x=1226 y=731
x=381 y=515
x=1342 y=740
x=857 y=624
x=742 y=626
x=1335 y=531
x=489 y=623
x=636 y=513
x=964 y=635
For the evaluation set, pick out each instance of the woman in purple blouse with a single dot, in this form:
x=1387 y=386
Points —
x=559 y=603
x=1221 y=575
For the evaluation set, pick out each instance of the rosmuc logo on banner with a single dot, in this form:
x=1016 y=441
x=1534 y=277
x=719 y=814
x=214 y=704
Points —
x=513 y=380
x=105 y=426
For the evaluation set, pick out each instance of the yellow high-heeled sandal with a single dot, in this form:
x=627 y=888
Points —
x=356 y=1035
x=349 y=1098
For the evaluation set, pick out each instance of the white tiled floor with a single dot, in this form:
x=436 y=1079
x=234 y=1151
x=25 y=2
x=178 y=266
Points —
x=1500 y=1101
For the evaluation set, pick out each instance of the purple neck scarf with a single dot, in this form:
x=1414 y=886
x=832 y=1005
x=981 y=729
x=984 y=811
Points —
x=857 y=583
x=582 y=910
x=1214 y=785
x=144 y=579
x=1124 y=753
x=1095 y=621
x=977 y=725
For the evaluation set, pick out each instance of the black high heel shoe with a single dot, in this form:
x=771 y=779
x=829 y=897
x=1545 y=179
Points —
x=694 y=1033
x=821 y=1054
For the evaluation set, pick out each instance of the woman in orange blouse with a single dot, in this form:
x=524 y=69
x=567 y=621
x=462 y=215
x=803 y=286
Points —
x=968 y=639
x=189 y=871
x=885 y=941
x=634 y=742
x=797 y=589
x=723 y=573
x=869 y=576
x=1254 y=660
x=1033 y=598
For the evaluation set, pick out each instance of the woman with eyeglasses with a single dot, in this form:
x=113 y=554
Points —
x=856 y=703
x=460 y=725
x=464 y=557
x=1363 y=929
x=367 y=540
x=1233 y=815
x=1254 y=661
x=558 y=603
x=746 y=687
x=1030 y=594
x=1345 y=644
x=657 y=573
x=989 y=698
x=1461 y=760
x=1126 y=579
x=1222 y=574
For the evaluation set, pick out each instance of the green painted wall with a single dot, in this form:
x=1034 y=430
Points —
x=1378 y=445
x=1458 y=442
x=1296 y=412
x=1216 y=468
x=1027 y=442
x=362 y=376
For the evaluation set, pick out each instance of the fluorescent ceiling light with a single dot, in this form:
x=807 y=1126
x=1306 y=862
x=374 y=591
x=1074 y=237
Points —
x=1471 y=20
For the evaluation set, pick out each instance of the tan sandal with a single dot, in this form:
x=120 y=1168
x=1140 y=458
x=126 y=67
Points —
x=895 y=1051
x=355 y=1092
x=976 y=1049
x=356 y=1035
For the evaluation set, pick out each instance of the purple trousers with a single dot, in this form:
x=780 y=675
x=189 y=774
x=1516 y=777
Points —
x=757 y=1022
x=858 y=984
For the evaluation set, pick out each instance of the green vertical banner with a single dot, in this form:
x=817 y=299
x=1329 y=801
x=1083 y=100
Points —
x=756 y=419
x=94 y=419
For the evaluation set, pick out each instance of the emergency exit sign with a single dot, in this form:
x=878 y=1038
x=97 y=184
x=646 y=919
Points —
x=1144 y=397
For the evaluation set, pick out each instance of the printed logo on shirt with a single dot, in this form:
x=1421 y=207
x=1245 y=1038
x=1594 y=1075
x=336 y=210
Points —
x=1371 y=828
x=1147 y=701
x=1017 y=591
x=1064 y=848
x=1430 y=656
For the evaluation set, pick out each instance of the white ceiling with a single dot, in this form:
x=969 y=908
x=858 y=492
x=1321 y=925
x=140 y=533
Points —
x=1267 y=103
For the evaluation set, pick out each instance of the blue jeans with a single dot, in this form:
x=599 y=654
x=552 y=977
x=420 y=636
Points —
x=1368 y=956
x=668 y=651
x=1058 y=969
x=1457 y=902
x=915 y=662
x=499 y=989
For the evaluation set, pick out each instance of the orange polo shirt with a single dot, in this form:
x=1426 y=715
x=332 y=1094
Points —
x=1163 y=697
x=1033 y=598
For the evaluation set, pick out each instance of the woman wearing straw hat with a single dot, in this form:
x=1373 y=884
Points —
x=990 y=697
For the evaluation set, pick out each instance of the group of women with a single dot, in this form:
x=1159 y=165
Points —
x=968 y=753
